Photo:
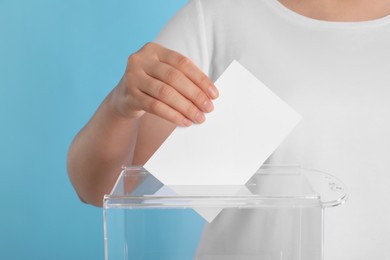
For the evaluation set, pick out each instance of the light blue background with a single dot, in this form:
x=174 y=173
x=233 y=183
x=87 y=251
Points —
x=58 y=60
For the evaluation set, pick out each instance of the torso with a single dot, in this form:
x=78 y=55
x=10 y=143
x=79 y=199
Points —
x=337 y=75
x=334 y=69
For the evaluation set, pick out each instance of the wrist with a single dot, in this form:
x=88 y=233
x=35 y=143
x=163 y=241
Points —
x=117 y=105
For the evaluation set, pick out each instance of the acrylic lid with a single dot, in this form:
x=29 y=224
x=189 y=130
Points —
x=270 y=186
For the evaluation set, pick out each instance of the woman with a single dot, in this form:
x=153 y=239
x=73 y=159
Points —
x=328 y=59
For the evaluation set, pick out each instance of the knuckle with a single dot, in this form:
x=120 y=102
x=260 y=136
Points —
x=183 y=61
x=177 y=118
x=199 y=96
x=163 y=91
x=133 y=59
x=172 y=75
x=149 y=45
x=204 y=81
x=154 y=106
x=190 y=110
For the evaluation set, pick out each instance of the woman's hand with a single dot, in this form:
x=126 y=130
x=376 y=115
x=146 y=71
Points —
x=165 y=83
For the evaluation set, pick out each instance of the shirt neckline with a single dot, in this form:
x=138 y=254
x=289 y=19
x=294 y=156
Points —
x=299 y=18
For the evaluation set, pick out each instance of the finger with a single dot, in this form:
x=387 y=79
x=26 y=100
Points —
x=188 y=68
x=182 y=84
x=168 y=95
x=158 y=108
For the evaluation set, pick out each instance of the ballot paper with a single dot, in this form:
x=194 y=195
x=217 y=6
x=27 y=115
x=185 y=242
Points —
x=208 y=210
x=247 y=125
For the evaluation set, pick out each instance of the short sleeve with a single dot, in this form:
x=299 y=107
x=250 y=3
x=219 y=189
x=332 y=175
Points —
x=185 y=33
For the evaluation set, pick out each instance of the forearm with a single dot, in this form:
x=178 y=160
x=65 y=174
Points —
x=99 y=150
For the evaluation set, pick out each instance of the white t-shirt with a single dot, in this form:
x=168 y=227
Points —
x=336 y=75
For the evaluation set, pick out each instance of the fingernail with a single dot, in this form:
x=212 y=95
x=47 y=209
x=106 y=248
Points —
x=213 y=92
x=208 y=106
x=200 y=118
x=187 y=122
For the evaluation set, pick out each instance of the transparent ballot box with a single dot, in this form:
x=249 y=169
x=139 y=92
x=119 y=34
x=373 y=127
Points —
x=277 y=215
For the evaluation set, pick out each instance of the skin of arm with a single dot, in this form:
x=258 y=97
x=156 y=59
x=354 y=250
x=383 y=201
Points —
x=106 y=143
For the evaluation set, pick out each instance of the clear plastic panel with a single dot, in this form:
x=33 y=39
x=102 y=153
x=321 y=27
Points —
x=277 y=215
